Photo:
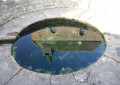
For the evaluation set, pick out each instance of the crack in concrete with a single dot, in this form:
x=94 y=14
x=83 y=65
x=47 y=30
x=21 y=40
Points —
x=117 y=61
x=75 y=79
x=88 y=77
x=50 y=79
x=86 y=80
x=89 y=3
x=91 y=17
x=48 y=6
x=84 y=69
x=13 y=76
x=6 y=20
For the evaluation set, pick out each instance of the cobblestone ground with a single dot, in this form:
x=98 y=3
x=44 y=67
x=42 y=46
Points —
x=15 y=15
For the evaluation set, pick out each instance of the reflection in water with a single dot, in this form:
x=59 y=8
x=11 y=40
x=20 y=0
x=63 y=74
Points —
x=59 y=50
x=48 y=47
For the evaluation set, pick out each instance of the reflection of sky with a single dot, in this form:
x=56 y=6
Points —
x=29 y=54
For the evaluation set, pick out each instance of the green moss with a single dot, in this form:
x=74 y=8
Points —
x=29 y=67
x=53 y=72
x=38 y=70
x=15 y=47
x=102 y=52
x=73 y=31
x=48 y=72
x=14 y=54
x=65 y=70
x=79 y=43
x=62 y=69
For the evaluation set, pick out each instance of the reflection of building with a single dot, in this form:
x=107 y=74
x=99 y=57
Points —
x=66 y=39
x=66 y=33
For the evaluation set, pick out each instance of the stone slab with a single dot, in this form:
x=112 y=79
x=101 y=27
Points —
x=25 y=77
x=105 y=72
x=15 y=26
x=63 y=80
x=83 y=84
x=8 y=68
x=112 y=38
x=81 y=76
x=7 y=29
x=28 y=19
x=75 y=13
x=5 y=51
x=56 y=12
x=113 y=46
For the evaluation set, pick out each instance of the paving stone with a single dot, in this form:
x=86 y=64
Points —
x=63 y=80
x=15 y=26
x=35 y=7
x=116 y=36
x=8 y=29
x=82 y=4
x=81 y=76
x=112 y=51
x=118 y=51
x=3 y=7
x=105 y=72
x=6 y=1
x=31 y=2
x=8 y=68
x=20 y=1
x=25 y=77
x=112 y=38
x=57 y=12
x=65 y=3
x=19 y=10
x=87 y=14
x=47 y=4
x=113 y=45
x=5 y=51
x=83 y=84
x=31 y=18
x=74 y=13
x=27 y=19
x=102 y=21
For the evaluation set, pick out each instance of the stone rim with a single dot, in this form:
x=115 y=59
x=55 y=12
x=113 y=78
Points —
x=63 y=18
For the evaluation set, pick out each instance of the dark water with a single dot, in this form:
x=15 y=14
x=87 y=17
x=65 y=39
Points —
x=29 y=56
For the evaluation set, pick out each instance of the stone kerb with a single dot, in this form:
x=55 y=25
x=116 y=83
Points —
x=11 y=9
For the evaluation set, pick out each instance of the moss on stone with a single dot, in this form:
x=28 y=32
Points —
x=29 y=67
x=14 y=47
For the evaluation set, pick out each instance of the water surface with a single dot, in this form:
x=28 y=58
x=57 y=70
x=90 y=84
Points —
x=66 y=55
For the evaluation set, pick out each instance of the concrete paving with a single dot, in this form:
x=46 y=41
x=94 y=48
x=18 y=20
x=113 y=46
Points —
x=104 y=14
